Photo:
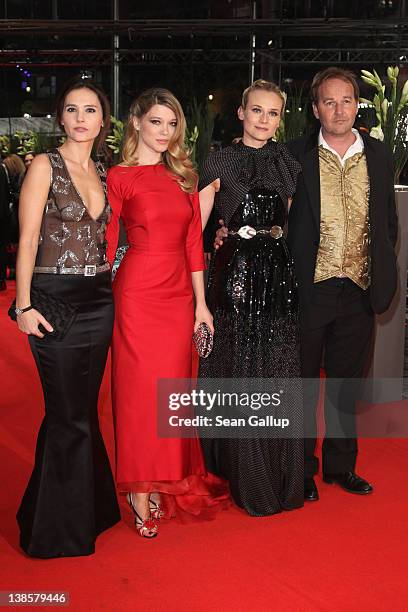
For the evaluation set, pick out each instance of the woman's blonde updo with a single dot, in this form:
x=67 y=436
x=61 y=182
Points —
x=176 y=157
x=263 y=85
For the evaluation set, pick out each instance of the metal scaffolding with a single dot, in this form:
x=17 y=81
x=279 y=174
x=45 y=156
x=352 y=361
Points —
x=392 y=29
x=265 y=43
x=165 y=57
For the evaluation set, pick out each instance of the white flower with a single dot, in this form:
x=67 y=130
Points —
x=404 y=94
x=385 y=109
x=392 y=73
x=369 y=81
x=369 y=103
x=376 y=132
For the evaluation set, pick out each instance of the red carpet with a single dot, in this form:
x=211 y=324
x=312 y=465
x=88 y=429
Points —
x=345 y=553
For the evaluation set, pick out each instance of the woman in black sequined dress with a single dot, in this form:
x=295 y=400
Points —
x=253 y=298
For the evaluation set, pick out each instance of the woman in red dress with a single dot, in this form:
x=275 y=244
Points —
x=153 y=191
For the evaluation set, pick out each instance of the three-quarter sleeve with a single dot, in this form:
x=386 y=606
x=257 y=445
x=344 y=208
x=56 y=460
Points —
x=115 y=202
x=209 y=171
x=194 y=240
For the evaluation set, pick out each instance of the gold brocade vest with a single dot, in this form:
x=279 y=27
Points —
x=344 y=221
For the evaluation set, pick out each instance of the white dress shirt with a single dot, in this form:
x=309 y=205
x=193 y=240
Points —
x=356 y=147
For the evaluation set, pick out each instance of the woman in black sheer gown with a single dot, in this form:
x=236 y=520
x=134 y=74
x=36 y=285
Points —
x=253 y=298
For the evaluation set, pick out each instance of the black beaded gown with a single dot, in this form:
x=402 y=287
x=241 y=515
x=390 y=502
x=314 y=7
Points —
x=252 y=295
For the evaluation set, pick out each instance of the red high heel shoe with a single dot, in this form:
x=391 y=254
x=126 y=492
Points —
x=146 y=528
x=155 y=510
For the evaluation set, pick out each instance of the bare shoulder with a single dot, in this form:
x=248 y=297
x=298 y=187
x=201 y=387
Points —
x=40 y=160
x=39 y=165
x=36 y=185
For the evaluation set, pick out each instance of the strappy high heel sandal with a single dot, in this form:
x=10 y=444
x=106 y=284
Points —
x=156 y=511
x=146 y=528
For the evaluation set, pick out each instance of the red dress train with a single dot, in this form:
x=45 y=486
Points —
x=154 y=318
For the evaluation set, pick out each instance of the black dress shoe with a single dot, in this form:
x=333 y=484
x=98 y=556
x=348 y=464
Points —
x=350 y=482
x=311 y=493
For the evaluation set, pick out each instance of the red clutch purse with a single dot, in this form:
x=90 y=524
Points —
x=203 y=340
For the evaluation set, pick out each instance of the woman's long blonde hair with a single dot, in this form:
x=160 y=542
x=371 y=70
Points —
x=176 y=157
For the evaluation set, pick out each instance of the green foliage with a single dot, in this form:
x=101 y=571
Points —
x=200 y=127
x=5 y=145
x=30 y=142
x=190 y=143
x=391 y=113
x=115 y=139
x=294 y=121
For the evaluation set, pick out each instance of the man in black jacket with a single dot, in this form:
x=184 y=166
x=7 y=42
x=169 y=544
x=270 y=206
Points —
x=342 y=233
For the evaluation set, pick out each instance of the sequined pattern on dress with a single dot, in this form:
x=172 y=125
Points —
x=69 y=236
x=252 y=293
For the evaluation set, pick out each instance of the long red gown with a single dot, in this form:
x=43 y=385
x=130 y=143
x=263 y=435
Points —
x=152 y=338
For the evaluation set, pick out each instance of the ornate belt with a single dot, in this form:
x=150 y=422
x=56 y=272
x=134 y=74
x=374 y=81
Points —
x=246 y=231
x=84 y=270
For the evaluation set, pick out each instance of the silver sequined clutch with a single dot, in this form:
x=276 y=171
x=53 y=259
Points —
x=203 y=340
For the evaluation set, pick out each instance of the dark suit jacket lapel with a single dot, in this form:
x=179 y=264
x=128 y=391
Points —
x=311 y=176
x=374 y=174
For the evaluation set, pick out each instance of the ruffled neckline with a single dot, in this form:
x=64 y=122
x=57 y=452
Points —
x=268 y=148
x=270 y=167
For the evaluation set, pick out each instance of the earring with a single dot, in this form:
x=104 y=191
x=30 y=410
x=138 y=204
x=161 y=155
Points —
x=102 y=124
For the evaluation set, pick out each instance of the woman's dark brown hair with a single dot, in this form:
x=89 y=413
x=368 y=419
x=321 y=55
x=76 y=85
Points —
x=79 y=83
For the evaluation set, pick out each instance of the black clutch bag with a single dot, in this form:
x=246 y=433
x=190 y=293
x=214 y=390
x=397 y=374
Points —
x=203 y=340
x=59 y=313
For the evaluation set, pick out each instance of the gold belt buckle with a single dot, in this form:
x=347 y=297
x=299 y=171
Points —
x=90 y=270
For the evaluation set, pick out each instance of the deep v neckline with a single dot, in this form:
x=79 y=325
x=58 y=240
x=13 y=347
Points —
x=94 y=219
